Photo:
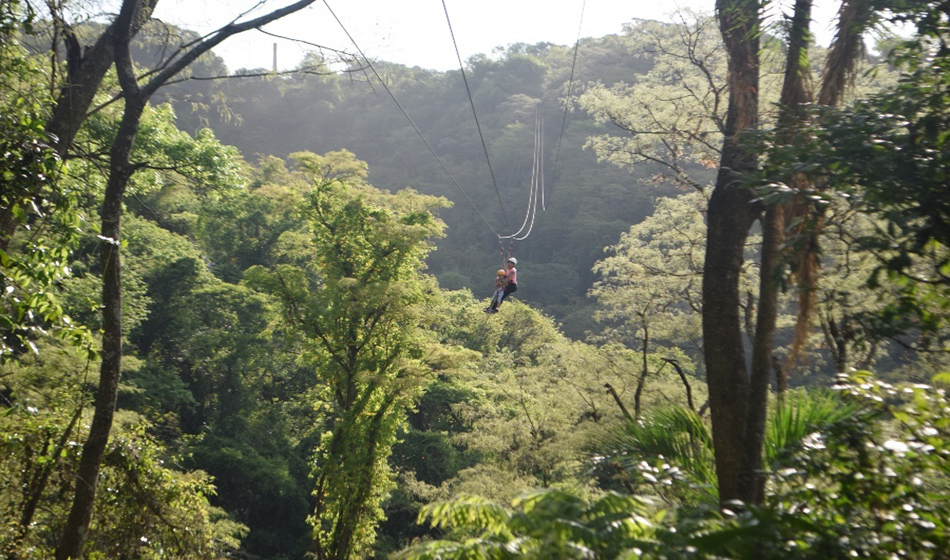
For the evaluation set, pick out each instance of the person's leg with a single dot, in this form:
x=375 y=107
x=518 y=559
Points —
x=493 y=303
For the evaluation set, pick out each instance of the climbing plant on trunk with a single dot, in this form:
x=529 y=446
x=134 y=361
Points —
x=353 y=294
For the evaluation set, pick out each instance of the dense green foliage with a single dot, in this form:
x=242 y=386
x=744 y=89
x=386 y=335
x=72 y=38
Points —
x=840 y=489
x=307 y=367
x=151 y=508
x=549 y=524
x=31 y=264
x=587 y=205
x=353 y=297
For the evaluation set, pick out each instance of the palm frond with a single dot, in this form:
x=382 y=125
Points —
x=467 y=511
x=544 y=524
x=801 y=415
x=854 y=18
x=676 y=434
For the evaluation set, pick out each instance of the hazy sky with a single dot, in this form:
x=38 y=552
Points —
x=415 y=32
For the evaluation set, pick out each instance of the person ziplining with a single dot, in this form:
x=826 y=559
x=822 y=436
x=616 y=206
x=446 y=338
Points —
x=536 y=192
x=510 y=281
x=506 y=283
x=499 y=289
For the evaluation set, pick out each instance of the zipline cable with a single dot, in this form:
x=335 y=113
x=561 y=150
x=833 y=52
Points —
x=570 y=90
x=537 y=181
x=405 y=114
x=536 y=189
x=477 y=125
x=537 y=173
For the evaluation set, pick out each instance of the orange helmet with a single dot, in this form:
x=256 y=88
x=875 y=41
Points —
x=501 y=273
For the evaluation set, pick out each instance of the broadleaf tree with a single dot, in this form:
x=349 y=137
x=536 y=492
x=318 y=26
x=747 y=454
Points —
x=354 y=294
x=33 y=263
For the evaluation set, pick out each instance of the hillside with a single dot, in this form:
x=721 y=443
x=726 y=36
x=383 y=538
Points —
x=587 y=203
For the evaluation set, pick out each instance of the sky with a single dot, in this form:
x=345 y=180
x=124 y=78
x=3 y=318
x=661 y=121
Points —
x=416 y=32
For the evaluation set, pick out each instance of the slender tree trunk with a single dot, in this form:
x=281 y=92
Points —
x=689 y=389
x=796 y=91
x=839 y=340
x=87 y=476
x=732 y=211
x=619 y=401
x=120 y=171
x=644 y=370
x=781 y=379
x=751 y=477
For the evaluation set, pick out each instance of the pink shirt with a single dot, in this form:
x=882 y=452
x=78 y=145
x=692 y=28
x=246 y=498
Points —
x=512 y=275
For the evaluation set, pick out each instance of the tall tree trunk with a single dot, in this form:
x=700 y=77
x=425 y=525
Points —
x=87 y=476
x=751 y=478
x=738 y=403
x=120 y=170
x=732 y=211
x=796 y=91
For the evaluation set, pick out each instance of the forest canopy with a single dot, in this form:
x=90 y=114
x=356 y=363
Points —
x=243 y=317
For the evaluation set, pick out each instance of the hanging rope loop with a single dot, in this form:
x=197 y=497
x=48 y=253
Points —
x=537 y=182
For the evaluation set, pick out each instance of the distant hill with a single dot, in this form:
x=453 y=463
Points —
x=588 y=204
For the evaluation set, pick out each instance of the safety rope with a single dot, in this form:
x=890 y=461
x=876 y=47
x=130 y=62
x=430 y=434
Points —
x=536 y=190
